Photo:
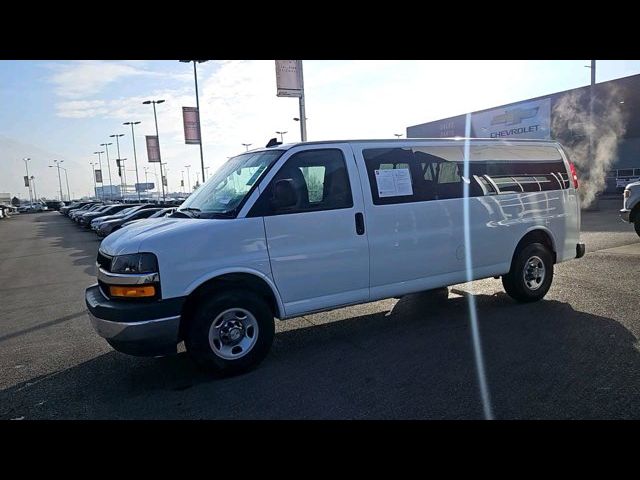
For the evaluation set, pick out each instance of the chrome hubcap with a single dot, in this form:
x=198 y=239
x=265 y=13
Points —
x=233 y=333
x=534 y=273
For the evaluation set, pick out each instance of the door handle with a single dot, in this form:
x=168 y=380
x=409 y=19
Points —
x=359 y=223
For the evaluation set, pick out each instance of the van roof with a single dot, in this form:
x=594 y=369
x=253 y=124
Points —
x=450 y=140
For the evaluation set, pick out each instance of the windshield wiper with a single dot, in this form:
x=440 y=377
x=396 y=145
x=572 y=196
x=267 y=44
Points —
x=188 y=209
x=225 y=214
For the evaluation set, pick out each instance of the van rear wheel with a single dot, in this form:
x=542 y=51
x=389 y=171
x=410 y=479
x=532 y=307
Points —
x=531 y=273
x=230 y=332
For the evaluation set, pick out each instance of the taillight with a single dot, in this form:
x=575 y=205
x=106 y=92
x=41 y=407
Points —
x=574 y=175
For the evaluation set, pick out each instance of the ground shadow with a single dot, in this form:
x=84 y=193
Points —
x=65 y=233
x=543 y=360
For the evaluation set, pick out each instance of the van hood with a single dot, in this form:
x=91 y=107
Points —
x=128 y=239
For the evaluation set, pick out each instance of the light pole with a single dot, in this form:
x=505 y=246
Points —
x=281 y=136
x=303 y=135
x=207 y=169
x=135 y=158
x=58 y=162
x=246 y=145
x=398 y=135
x=26 y=166
x=155 y=116
x=119 y=161
x=195 y=77
x=101 y=176
x=166 y=176
x=188 y=177
x=93 y=174
x=35 y=194
x=65 y=176
x=106 y=146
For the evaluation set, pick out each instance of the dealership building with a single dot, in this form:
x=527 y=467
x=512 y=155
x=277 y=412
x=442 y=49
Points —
x=563 y=116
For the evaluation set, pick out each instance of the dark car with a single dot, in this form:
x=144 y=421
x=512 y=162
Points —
x=54 y=205
x=96 y=222
x=74 y=206
x=111 y=226
x=85 y=220
x=97 y=207
x=163 y=212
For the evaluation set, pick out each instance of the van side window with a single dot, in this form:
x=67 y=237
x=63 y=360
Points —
x=319 y=179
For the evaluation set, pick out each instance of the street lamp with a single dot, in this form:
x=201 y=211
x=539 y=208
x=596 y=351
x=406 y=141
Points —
x=106 y=146
x=155 y=116
x=118 y=162
x=101 y=177
x=135 y=157
x=281 y=136
x=58 y=162
x=195 y=76
x=35 y=194
x=93 y=174
x=65 y=176
x=247 y=145
x=398 y=135
x=188 y=177
x=26 y=166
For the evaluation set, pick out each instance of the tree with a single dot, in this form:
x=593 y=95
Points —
x=15 y=201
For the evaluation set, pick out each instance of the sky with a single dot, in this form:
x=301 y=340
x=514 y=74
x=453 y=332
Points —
x=63 y=110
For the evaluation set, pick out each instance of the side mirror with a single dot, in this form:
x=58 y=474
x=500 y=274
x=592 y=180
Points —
x=284 y=194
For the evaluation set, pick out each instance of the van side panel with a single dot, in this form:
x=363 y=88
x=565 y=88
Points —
x=418 y=245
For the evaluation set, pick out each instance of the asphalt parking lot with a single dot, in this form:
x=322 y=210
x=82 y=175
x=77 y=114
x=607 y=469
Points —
x=574 y=355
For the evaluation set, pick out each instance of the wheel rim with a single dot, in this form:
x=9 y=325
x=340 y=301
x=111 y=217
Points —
x=233 y=333
x=534 y=273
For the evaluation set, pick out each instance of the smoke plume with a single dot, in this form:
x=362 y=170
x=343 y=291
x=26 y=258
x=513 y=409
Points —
x=591 y=141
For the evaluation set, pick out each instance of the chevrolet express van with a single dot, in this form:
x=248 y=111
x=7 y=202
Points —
x=299 y=228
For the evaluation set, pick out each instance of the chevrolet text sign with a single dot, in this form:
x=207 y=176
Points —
x=524 y=120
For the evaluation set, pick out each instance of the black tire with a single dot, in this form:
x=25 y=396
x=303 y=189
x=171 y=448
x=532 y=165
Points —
x=209 y=308
x=636 y=224
x=514 y=282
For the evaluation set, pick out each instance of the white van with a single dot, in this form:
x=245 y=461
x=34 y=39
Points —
x=300 y=228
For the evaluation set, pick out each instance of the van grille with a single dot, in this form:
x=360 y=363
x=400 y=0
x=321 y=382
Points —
x=104 y=261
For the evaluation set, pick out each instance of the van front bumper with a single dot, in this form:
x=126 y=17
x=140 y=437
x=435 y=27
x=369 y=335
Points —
x=141 y=329
x=624 y=213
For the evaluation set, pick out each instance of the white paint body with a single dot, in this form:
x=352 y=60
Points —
x=315 y=261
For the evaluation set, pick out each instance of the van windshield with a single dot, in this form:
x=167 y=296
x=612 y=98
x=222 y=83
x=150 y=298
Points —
x=223 y=194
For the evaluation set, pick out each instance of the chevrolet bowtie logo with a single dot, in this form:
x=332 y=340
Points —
x=515 y=116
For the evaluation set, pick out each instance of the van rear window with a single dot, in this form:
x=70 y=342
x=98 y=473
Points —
x=436 y=173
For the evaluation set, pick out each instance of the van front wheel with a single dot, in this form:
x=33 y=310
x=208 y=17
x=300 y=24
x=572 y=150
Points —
x=531 y=274
x=230 y=332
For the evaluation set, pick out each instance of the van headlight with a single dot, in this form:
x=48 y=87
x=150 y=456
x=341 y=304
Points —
x=135 y=263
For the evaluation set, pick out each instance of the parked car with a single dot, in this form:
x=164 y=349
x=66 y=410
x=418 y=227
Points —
x=35 y=207
x=54 y=205
x=96 y=222
x=85 y=220
x=67 y=209
x=87 y=208
x=111 y=226
x=631 y=205
x=296 y=229
x=162 y=212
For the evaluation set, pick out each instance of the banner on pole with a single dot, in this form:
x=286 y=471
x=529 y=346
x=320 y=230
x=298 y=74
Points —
x=191 y=121
x=98 y=176
x=182 y=183
x=164 y=180
x=26 y=181
x=288 y=78
x=153 y=149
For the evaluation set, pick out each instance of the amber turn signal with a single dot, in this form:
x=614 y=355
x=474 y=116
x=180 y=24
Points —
x=132 y=291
